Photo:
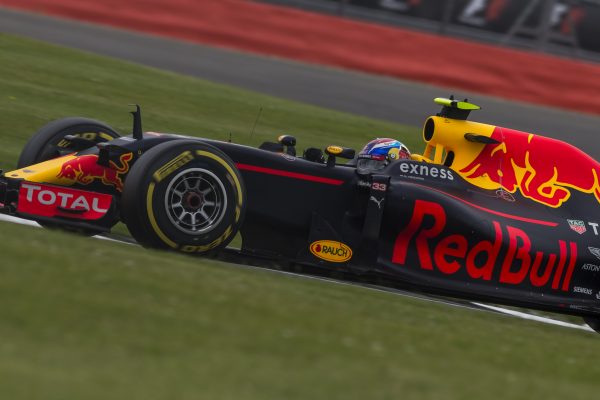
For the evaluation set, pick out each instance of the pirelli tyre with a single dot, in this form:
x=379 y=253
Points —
x=49 y=142
x=184 y=195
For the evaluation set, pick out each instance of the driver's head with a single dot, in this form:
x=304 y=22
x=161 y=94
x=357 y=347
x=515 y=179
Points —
x=378 y=153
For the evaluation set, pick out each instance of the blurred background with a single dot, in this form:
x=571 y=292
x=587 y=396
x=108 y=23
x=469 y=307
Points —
x=570 y=27
x=531 y=64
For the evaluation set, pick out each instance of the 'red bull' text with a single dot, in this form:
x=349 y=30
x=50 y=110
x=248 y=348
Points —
x=510 y=251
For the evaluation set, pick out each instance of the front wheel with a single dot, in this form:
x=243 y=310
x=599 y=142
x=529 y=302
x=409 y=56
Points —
x=184 y=195
x=49 y=142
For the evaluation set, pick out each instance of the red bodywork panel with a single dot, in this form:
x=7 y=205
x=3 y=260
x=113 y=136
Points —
x=54 y=201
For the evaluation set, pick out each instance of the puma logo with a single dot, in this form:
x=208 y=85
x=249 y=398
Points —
x=378 y=202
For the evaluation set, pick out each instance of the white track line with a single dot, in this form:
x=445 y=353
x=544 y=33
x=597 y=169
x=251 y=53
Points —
x=17 y=220
x=517 y=314
x=535 y=317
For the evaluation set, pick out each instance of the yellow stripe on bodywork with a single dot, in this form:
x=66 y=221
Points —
x=152 y=219
x=450 y=136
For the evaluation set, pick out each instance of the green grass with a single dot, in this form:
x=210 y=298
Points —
x=89 y=319
x=130 y=323
x=39 y=83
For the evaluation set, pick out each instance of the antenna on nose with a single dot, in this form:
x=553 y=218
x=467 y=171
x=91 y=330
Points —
x=137 y=122
x=256 y=122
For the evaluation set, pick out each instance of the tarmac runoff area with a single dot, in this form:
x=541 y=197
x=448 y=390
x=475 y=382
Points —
x=373 y=96
x=475 y=306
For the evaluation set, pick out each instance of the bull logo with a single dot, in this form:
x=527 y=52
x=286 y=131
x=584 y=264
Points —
x=543 y=169
x=85 y=170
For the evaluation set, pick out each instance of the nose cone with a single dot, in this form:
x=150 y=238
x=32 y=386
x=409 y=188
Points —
x=46 y=171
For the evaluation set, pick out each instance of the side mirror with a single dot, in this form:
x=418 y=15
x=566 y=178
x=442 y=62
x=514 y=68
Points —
x=289 y=142
x=337 y=151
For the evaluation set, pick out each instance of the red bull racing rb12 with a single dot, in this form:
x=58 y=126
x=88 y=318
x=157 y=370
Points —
x=486 y=212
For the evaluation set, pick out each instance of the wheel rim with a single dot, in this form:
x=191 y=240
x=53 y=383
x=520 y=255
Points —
x=195 y=201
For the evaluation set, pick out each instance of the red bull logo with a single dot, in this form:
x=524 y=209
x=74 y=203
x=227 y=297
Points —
x=507 y=257
x=85 y=170
x=543 y=169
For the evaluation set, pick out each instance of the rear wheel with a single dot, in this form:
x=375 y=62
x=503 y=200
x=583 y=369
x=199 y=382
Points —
x=184 y=195
x=48 y=142
x=593 y=322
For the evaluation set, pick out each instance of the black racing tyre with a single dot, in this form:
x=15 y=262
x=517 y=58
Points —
x=47 y=142
x=593 y=322
x=184 y=195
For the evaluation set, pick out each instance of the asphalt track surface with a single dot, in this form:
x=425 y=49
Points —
x=373 y=96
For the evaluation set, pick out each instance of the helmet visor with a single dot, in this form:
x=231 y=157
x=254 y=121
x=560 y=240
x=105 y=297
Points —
x=368 y=165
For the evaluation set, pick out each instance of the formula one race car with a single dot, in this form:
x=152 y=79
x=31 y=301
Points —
x=486 y=212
